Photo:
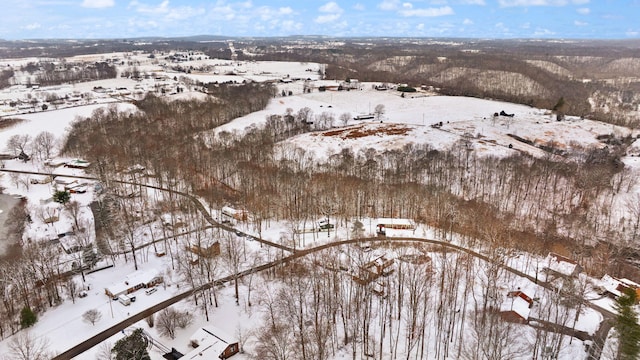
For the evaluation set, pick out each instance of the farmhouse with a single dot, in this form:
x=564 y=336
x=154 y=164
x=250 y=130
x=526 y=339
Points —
x=517 y=307
x=614 y=287
x=380 y=266
x=558 y=265
x=212 y=343
x=133 y=282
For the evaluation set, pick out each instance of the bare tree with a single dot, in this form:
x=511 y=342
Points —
x=92 y=316
x=344 y=118
x=104 y=351
x=25 y=346
x=44 y=144
x=168 y=320
x=379 y=110
x=18 y=143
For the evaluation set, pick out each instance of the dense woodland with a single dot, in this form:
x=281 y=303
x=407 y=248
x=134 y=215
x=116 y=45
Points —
x=517 y=202
x=534 y=202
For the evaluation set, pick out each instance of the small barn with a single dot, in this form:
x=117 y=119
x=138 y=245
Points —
x=209 y=342
x=396 y=224
x=516 y=307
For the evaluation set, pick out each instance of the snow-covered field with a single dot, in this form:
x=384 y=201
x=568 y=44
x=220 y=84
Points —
x=461 y=118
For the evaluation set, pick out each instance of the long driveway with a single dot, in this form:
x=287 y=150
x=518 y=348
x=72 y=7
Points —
x=594 y=351
x=104 y=335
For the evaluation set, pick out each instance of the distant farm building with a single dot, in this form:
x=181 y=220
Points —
x=212 y=343
x=364 y=117
x=135 y=281
x=516 y=307
x=55 y=162
x=558 y=265
x=77 y=164
x=394 y=224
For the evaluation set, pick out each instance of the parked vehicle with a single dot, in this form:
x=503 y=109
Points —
x=124 y=300
x=150 y=291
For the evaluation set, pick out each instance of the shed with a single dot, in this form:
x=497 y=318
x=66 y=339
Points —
x=212 y=343
x=397 y=224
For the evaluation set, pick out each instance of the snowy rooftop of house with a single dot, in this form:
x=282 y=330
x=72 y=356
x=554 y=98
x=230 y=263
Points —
x=212 y=342
x=518 y=305
x=561 y=264
x=386 y=221
x=138 y=277
x=612 y=284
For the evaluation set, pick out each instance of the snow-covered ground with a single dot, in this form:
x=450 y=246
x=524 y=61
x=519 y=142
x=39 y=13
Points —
x=467 y=118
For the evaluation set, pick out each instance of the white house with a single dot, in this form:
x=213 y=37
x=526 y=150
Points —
x=560 y=265
x=134 y=281
x=212 y=343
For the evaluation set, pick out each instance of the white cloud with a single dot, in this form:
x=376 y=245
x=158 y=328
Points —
x=467 y=22
x=389 y=5
x=420 y=27
x=472 y=2
x=580 y=23
x=32 y=26
x=501 y=27
x=330 y=7
x=184 y=12
x=511 y=3
x=543 y=32
x=327 y=18
x=332 y=12
x=632 y=33
x=290 y=25
x=162 y=8
x=584 y=11
x=428 y=12
x=166 y=11
x=98 y=4
x=407 y=5
x=267 y=13
x=358 y=7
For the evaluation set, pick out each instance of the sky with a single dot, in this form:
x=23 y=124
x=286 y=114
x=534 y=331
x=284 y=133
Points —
x=118 y=19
